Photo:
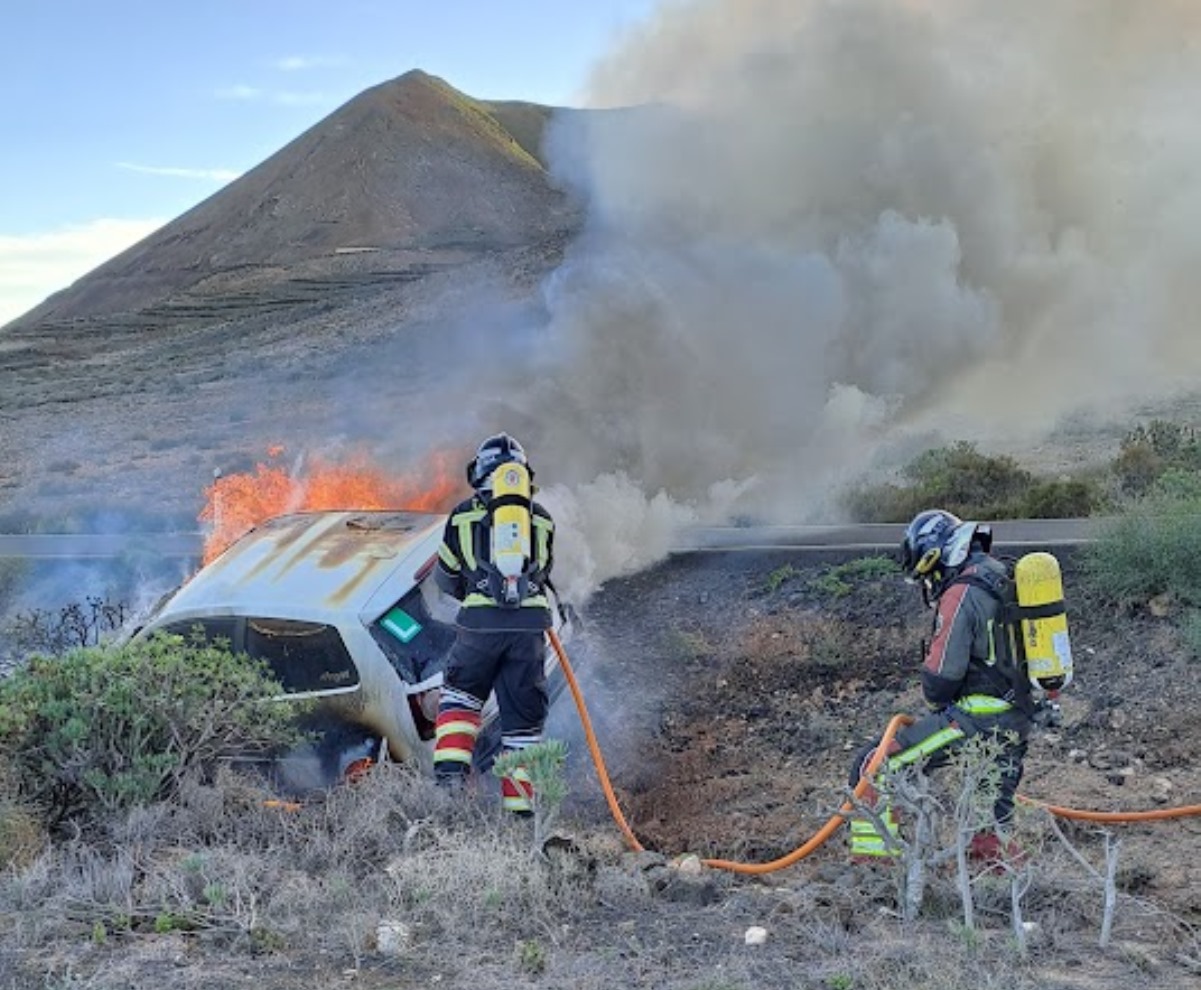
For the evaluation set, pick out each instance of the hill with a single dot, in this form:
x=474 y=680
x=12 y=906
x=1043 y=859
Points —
x=409 y=166
x=269 y=306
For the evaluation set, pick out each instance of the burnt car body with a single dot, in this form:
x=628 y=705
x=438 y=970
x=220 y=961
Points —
x=344 y=609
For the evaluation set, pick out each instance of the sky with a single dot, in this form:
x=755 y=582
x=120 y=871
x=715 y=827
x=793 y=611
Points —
x=118 y=116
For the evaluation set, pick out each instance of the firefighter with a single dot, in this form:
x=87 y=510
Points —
x=966 y=692
x=500 y=639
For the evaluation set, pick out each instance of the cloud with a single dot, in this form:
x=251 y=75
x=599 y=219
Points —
x=206 y=174
x=32 y=266
x=281 y=97
x=301 y=63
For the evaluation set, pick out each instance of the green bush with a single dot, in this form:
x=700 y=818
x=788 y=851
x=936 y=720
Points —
x=972 y=485
x=886 y=503
x=1149 y=451
x=1152 y=549
x=1180 y=484
x=969 y=483
x=957 y=478
x=1059 y=500
x=107 y=728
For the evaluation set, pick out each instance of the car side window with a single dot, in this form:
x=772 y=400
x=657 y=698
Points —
x=304 y=656
x=415 y=643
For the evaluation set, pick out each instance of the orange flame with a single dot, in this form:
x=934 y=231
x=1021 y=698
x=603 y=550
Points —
x=235 y=503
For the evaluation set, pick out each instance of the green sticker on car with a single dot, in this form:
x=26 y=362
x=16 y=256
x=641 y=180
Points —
x=400 y=624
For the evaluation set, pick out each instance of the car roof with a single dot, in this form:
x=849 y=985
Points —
x=313 y=564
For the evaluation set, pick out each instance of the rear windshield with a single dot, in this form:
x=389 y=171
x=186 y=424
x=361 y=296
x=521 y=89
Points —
x=303 y=656
x=415 y=643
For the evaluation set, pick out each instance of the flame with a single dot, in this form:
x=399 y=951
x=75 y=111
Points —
x=235 y=503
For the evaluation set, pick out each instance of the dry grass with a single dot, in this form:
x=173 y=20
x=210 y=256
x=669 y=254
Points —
x=399 y=884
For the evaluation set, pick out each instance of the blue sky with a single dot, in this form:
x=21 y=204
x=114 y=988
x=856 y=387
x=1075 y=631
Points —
x=118 y=115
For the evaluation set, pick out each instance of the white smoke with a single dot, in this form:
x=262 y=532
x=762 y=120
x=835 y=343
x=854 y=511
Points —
x=827 y=228
x=823 y=235
x=609 y=526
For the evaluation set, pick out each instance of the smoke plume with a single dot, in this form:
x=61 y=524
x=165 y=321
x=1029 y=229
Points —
x=818 y=230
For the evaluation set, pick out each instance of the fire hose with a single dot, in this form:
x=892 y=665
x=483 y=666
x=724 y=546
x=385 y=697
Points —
x=836 y=820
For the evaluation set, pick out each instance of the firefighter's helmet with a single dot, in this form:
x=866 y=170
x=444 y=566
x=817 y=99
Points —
x=492 y=453
x=936 y=545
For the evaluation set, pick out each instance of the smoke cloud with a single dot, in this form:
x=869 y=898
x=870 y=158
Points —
x=818 y=230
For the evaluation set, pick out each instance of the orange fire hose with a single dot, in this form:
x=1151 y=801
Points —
x=836 y=820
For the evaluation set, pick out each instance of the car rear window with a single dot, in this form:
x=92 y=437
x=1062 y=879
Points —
x=305 y=656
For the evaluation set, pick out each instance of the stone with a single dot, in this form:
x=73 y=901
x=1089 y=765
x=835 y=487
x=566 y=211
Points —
x=755 y=935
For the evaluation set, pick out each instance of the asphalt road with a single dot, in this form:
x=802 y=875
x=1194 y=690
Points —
x=1019 y=533
x=87 y=546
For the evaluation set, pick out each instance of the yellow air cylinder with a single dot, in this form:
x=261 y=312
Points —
x=1044 y=635
x=511 y=523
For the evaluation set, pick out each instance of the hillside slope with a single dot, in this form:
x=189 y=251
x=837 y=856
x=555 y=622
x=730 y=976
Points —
x=269 y=311
x=409 y=165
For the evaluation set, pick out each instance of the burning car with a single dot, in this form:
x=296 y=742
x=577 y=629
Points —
x=343 y=608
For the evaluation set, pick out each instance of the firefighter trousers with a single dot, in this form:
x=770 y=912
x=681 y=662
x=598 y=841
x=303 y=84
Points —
x=932 y=741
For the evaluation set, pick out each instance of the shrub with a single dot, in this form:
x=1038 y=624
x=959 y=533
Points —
x=1179 y=484
x=1152 y=549
x=107 y=728
x=542 y=765
x=779 y=576
x=21 y=835
x=886 y=503
x=1150 y=450
x=967 y=482
x=972 y=485
x=1060 y=500
x=54 y=631
x=957 y=478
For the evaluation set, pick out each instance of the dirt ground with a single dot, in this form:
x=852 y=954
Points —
x=731 y=690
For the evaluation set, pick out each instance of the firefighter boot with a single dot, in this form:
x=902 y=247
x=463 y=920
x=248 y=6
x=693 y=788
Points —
x=987 y=849
x=868 y=845
x=517 y=793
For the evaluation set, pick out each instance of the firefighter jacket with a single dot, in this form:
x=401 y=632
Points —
x=958 y=661
x=463 y=570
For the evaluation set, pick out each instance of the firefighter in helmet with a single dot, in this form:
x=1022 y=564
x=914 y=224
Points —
x=966 y=692
x=500 y=640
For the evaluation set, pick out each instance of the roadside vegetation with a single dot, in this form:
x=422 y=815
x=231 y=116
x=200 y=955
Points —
x=1159 y=458
x=101 y=730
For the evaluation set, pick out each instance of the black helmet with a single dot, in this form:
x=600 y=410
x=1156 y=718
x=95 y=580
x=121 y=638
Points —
x=935 y=546
x=492 y=453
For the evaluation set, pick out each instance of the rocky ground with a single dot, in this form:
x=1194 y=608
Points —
x=733 y=689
